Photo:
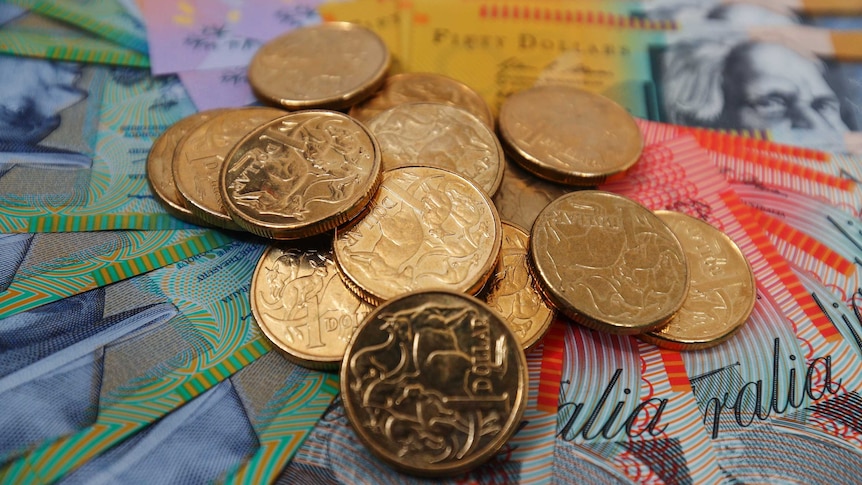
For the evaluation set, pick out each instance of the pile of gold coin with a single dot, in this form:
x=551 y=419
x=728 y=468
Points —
x=388 y=256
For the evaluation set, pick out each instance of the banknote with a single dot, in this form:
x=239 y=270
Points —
x=76 y=160
x=775 y=173
x=242 y=430
x=821 y=240
x=196 y=34
x=218 y=88
x=673 y=76
x=265 y=19
x=35 y=36
x=120 y=358
x=820 y=175
x=788 y=380
x=333 y=453
x=36 y=269
x=842 y=165
x=110 y=19
x=772 y=12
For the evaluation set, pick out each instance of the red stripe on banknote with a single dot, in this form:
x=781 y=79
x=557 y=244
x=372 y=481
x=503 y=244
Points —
x=782 y=270
x=552 y=367
x=804 y=242
x=723 y=141
x=789 y=167
x=675 y=368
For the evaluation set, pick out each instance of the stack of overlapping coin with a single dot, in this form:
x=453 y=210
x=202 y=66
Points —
x=387 y=254
x=604 y=260
x=612 y=265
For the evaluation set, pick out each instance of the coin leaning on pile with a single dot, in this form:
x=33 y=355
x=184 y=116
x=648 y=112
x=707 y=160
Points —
x=388 y=258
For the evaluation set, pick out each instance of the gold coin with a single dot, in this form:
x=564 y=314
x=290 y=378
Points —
x=522 y=196
x=425 y=228
x=332 y=65
x=159 y=166
x=608 y=263
x=439 y=135
x=722 y=290
x=513 y=293
x=301 y=304
x=568 y=135
x=300 y=175
x=410 y=87
x=200 y=154
x=434 y=383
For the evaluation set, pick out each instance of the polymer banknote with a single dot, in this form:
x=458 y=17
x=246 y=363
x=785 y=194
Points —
x=809 y=206
x=110 y=19
x=32 y=35
x=242 y=430
x=36 y=269
x=196 y=34
x=259 y=19
x=663 y=75
x=80 y=164
x=788 y=380
x=819 y=240
x=825 y=176
x=209 y=45
x=266 y=19
x=218 y=88
x=687 y=13
x=222 y=34
x=121 y=357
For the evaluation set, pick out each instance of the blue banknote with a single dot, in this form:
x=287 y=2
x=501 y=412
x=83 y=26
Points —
x=92 y=369
x=213 y=436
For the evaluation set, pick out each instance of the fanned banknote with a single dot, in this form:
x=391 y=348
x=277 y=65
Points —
x=242 y=430
x=673 y=76
x=828 y=177
x=262 y=20
x=120 y=358
x=218 y=88
x=689 y=14
x=110 y=19
x=196 y=34
x=819 y=240
x=77 y=160
x=36 y=269
x=787 y=381
x=265 y=19
x=32 y=35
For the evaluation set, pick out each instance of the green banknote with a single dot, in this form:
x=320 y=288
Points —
x=37 y=36
x=36 y=269
x=110 y=19
x=80 y=164
x=126 y=355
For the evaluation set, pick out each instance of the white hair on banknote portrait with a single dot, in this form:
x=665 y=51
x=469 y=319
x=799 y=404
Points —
x=749 y=85
x=691 y=79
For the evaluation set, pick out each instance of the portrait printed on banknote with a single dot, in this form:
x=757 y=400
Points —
x=686 y=12
x=736 y=83
x=48 y=122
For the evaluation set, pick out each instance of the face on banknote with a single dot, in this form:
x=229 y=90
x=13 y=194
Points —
x=80 y=155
